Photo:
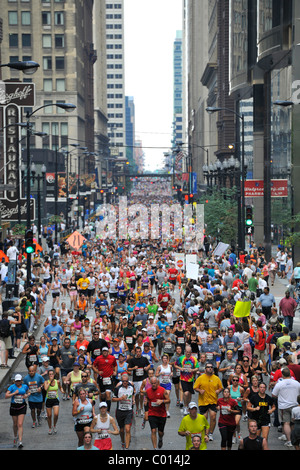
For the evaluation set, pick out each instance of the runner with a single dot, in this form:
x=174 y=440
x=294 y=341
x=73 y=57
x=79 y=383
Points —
x=124 y=396
x=156 y=399
x=101 y=425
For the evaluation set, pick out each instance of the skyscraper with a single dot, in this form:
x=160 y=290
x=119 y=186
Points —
x=115 y=76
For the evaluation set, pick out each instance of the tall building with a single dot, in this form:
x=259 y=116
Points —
x=130 y=127
x=178 y=90
x=57 y=35
x=115 y=77
x=199 y=62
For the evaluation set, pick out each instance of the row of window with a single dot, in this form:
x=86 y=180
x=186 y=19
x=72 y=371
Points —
x=26 y=40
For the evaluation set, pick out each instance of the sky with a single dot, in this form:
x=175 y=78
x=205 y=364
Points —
x=150 y=31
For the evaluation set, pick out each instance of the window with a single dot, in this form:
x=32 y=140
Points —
x=47 y=63
x=59 y=63
x=48 y=109
x=60 y=84
x=46 y=18
x=58 y=18
x=26 y=18
x=59 y=40
x=26 y=40
x=48 y=84
x=12 y=18
x=47 y=40
x=13 y=40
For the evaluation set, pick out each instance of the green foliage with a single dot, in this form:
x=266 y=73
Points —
x=220 y=214
x=19 y=230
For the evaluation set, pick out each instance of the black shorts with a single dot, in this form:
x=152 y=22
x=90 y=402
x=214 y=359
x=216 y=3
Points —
x=35 y=405
x=55 y=294
x=79 y=427
x=173 y=281
x=51 y=402
x=157 y=422
x=204 y=409
x=90 y=292
x=187 y=386
x=105 y=387
x=124 y=417
x=175 y=380
x=18 y=409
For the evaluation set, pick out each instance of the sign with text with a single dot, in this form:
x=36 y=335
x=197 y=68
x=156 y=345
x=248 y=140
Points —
x=18 y=93
x=9 y=210
x=255 y=188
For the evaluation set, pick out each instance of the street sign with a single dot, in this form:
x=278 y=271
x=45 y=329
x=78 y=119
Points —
x=75 y=240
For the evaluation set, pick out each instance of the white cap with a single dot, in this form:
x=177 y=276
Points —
x=45 y=359
x=18 y=377
x=192 y=404
x=102 y=403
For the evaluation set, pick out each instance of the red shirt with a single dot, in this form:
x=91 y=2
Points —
x=105 y=364
x=226 y=417
x=172 y=273
x=153 y=396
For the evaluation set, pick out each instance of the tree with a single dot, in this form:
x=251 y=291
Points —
x=220 y=214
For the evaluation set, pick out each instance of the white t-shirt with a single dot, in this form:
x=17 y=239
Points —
x=287 y=390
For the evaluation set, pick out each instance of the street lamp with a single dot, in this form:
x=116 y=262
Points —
x=241 y=187
x=67 y=107
x=28 y=67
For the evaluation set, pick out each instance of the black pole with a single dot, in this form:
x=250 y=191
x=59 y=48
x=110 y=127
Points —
x=28 y=208
x=55 y=195
x=67 y=193
x=78 y=191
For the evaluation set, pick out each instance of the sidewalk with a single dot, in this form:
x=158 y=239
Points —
x=6 y=375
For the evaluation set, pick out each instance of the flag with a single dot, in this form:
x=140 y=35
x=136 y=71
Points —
x=242 y=309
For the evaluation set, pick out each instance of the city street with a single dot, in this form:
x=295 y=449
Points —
x=66 y=439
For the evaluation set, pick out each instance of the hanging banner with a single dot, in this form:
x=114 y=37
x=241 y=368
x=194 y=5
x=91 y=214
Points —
x=180 y=261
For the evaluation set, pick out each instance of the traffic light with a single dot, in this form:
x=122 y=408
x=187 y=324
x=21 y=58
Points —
x=29 y=243
x=249 y=216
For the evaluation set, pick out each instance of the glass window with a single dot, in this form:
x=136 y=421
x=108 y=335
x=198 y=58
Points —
x=48 y=84
x=60 y=84
x=26 y=18
x=12 y=18
x=47 y=63
x=48 y=109
x=47 y=40
x=46 y=18
x=26 y=40
x=59 y=63
x=13 y=40
x=59 y=17
x=59 y=40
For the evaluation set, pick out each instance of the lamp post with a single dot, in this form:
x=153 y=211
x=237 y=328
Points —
x=39 y=178
x=66 y=107
x=241 y=187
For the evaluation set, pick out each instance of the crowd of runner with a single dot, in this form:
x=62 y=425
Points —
x=126 y=327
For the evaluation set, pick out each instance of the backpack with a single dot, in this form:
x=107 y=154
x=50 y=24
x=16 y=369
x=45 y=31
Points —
x=4 y=328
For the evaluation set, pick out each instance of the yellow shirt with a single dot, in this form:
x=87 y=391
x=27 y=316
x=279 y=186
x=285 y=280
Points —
x=83 y=283
x=209 y=383
x=194 y=426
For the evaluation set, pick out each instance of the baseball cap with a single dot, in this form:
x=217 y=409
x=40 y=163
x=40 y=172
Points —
x=18 y=377
x=102 y=403
x=192 y=404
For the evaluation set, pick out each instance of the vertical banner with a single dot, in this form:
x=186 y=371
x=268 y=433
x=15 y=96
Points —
x=180 y=261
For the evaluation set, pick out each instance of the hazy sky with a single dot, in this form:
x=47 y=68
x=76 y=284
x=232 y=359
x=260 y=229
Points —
x=150 y=31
